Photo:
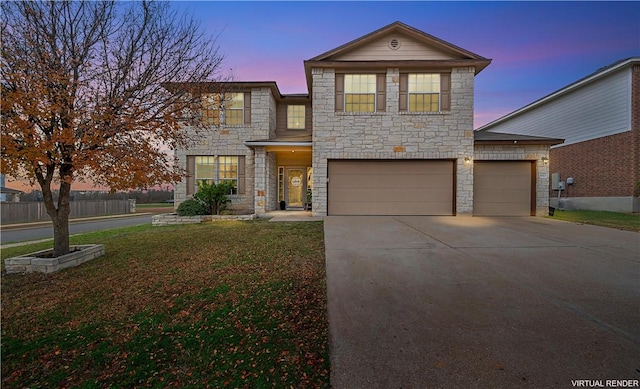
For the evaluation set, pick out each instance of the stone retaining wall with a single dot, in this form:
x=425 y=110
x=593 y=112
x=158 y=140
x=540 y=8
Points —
x=30 y=263
x=168 y=219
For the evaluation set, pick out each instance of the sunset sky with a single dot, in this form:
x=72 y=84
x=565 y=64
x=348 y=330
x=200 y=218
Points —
x=536 y=47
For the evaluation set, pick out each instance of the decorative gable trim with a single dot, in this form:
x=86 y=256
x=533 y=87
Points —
x=401 y=28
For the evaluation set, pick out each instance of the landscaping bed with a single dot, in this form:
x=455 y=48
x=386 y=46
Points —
x=228 y=304
x=43 y=261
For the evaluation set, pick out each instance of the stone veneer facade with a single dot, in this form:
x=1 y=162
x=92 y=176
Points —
x=388 y=135
x=229 y=140
x=393 y=134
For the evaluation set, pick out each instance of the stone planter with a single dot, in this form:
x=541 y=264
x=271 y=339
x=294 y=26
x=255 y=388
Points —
x=34 y=262
x=167 y=219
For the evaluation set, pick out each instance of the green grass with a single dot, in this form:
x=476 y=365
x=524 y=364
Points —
x=225 y=304
x=621 y=221
x=155 y=205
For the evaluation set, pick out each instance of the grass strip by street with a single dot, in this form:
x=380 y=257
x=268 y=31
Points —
x=225 y=304
x=618 y=220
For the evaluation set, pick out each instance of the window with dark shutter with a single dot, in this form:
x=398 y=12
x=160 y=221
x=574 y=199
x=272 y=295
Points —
x=381 y=95
x=339 y=92
x=211 y=168
x=247 y=108
x=425 y=92
x=445 y=91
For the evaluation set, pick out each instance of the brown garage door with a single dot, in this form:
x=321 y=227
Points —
x=502 y=188
x=398 y=187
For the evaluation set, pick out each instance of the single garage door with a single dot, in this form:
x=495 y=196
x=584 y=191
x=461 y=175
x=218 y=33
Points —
x=397 y=187
x=502 y=188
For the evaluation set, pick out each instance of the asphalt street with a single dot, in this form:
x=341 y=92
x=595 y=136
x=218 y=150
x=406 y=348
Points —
x=38 y=232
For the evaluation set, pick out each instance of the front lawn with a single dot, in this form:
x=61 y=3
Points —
x=226 y=304
x=621 y=221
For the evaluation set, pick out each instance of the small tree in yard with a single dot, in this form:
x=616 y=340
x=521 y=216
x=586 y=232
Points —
x=214 y=196
x=82 y=95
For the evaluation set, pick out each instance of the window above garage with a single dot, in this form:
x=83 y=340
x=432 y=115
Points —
x=360 y=92
x=425 y=92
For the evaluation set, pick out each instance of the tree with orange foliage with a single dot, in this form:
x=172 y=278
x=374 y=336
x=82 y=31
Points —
x=83 y=96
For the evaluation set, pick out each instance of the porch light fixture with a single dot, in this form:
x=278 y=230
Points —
x=467 y=160
x=545 y=160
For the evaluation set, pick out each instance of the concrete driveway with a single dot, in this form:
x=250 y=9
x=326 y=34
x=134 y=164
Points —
x=453 y=302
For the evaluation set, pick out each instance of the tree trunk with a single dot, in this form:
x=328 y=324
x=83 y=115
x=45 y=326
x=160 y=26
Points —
x=59 y=215
x=61 y=224
x=61 y=233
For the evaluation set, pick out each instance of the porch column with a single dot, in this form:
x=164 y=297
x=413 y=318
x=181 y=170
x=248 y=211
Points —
x=260 y=180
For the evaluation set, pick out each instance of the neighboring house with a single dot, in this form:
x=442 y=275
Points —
x=386 y=129
x=8 y=194
x=599 y=118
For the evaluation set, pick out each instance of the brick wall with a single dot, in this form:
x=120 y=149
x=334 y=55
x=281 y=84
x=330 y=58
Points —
x=602 y=167
x=635 y=124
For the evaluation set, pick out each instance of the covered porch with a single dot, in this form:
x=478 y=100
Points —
x=283 y=174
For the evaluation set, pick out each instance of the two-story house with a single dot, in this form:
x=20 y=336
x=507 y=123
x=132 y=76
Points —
x=386 y=129
x=598 y=165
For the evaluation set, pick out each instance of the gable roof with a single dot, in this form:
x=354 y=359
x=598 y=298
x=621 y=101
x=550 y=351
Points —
x=399 y=27
x=455 y=56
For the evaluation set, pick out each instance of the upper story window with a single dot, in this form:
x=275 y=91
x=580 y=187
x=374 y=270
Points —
x=360 y=92
x=424 y=92
x=233 y=109
x=295 y=117
x=211 y=108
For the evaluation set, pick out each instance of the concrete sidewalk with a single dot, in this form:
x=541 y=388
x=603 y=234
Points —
x=452 y=302
x=15 y=226
x=292 y=216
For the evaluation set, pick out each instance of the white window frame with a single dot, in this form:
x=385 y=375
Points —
x=215 y=170
x=233 y=102
x=211 y=102
x=296 y=111
x=424 y=84
x=354 y=86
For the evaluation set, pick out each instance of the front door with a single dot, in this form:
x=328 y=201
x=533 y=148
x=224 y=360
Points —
x=295 y=187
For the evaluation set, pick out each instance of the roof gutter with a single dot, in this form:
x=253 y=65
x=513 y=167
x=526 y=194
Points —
x=250 y=143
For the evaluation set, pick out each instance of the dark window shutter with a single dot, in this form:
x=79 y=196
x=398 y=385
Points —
x=247 y=108
x=339 y=92
x=241 y=175
x=404 y=87
x=445 y=92
x=191 y=174
x=381 y=95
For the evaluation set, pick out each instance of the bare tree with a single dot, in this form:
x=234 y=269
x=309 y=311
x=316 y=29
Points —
x=83 y=96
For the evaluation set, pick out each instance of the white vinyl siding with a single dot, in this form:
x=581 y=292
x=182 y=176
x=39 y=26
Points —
x=598 y=109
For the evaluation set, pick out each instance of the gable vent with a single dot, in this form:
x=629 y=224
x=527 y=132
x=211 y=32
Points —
x=394 y=44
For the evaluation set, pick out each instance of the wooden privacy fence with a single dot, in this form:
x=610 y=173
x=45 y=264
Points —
x=36 y=211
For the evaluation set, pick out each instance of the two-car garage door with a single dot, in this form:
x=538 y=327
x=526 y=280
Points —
x=390 y=187
x=426 y=187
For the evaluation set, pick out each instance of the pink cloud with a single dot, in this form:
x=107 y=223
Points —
x=288 y=75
